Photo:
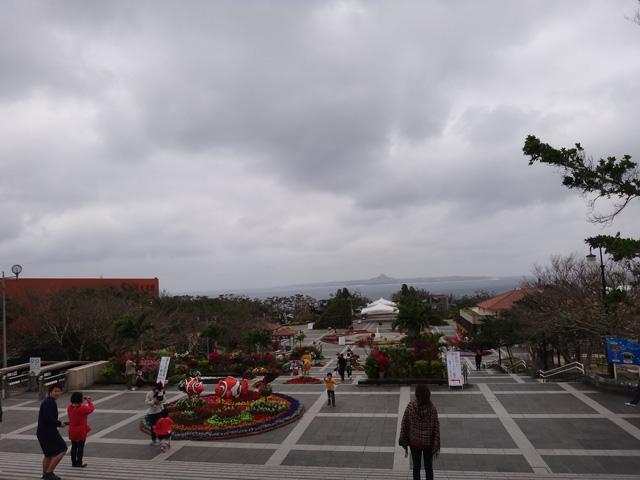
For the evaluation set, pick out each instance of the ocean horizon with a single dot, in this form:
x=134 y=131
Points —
x=457 y=288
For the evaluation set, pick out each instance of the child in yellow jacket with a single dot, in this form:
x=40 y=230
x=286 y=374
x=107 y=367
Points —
x=331 y=385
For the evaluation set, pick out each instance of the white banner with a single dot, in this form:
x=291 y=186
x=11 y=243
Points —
x=162 y=372
x=342 y=340
x=34 y=366
x=454 y=369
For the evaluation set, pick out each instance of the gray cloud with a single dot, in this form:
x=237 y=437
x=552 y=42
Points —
x=226 y=144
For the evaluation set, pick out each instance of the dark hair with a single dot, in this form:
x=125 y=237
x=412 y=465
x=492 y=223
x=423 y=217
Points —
x=423 y=394
x=76 y=397
x=164 y=413
x=55 y=385
x=329 y=375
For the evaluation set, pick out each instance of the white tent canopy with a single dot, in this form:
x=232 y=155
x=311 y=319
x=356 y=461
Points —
x=381 y=306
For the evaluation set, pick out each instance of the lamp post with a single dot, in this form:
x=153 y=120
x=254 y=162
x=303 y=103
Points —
x=591 y=258
x=16 y=269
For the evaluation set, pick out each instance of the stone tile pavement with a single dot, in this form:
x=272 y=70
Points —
x=502 y=426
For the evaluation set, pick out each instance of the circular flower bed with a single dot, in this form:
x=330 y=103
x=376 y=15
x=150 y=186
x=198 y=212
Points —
x=303 y=380
x=211 y=418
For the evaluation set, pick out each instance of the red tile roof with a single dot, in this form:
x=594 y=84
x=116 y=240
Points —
x=506 y=300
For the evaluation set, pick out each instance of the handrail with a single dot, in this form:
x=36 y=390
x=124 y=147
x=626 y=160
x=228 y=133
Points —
x=562 y=369
x=519 y=363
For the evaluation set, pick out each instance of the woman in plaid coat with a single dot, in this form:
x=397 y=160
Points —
x=420 y=431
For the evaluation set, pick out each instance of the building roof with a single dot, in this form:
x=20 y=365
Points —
x=506 y=300
x=285 y=332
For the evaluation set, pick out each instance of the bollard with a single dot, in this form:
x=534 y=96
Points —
x=42 y=390
x=32 y=386
x=5 y=387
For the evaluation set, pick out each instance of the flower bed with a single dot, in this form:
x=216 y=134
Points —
x=212 y=418
x=303 y=380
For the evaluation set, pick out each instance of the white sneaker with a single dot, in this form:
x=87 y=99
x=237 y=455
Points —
x=631 y=404
x=133 y=389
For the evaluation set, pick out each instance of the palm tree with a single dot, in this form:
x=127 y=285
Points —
x=132 y=327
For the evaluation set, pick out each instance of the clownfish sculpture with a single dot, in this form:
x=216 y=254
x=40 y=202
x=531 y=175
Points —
x=231 y=388
x=193 y=387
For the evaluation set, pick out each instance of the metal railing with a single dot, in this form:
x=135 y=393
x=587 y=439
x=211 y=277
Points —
x=518 y=364
x=562 y=369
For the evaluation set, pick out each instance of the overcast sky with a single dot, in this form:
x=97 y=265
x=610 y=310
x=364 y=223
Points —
x=230 y=144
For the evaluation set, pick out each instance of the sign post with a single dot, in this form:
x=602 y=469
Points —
x=162 y=371
x=454 y=369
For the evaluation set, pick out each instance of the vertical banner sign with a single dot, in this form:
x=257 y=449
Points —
x=34 y=366
x=162 y=371
x=342 y=340
x=454 y=369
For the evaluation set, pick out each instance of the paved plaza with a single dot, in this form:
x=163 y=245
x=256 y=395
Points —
x=502 y=426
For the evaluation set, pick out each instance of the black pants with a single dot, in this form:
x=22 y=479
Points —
x=331 y=396
x=77 y=451
x=152 y=419
x=341 y=372
x=416 y=455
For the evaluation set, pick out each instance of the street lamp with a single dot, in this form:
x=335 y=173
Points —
x=591 y=258
x=16 y=269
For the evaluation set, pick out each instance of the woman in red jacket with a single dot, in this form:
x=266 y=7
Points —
x=78 y=427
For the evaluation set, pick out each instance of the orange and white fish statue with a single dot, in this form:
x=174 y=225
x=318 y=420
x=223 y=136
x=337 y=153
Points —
x=193 y=387
x=231 y=388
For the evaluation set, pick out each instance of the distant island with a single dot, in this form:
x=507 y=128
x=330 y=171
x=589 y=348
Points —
x=383 y=279
x=381 y=286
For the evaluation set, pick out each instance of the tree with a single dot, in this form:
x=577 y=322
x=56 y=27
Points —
x=606 y=178
x=300 y=338
x=566 y=309
x=214 y=332
x=636 y=16
x=414 y=311
x=133 y=328
x=257 y=339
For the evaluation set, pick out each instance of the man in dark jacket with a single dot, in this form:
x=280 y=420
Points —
x=342 y=365
x=51 y=442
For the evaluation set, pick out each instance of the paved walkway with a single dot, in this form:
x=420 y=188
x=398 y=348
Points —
x=502 y=427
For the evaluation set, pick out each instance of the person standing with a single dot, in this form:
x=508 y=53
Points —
x=130 y=372
x=51 y=442
x=420 y=431
x=349 y=363
x=478 y=359
x=331 y=389
x=163 y=428
x=635 y=398
x=342 y=365
x=78 y=426
x=154 y=400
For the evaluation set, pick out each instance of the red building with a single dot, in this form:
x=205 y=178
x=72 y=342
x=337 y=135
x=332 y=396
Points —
x=22 y=288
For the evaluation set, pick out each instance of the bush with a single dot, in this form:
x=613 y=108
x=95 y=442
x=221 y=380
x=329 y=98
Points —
x=421 y=368
x=371 y=367
x=401 y=360
x=438 y=369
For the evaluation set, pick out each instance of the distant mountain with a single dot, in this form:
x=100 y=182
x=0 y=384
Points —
x=383 y=279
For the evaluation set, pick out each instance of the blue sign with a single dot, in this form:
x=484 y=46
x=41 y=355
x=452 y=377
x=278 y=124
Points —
x=623 y=351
